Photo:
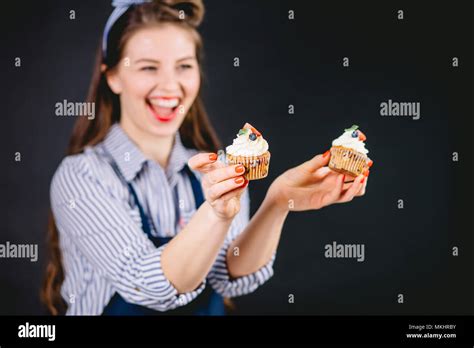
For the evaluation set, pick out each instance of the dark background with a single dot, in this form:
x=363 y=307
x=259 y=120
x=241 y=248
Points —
x=283 y=62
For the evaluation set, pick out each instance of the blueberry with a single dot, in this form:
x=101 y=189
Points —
x=355 y=134
x=252 y=136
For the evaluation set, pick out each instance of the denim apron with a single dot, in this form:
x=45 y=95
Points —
x=208 y=302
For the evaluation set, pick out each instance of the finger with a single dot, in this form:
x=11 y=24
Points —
x=348 y=182
x=322 y=172
x=218 y=190
x=356 y=186
x=317 y=162
x=335 y=193
x=204 y=162
x=363 y=188
x=236 y=192
x=215 y=176
x=350 y=178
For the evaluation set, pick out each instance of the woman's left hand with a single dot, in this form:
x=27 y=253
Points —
x=312 y=185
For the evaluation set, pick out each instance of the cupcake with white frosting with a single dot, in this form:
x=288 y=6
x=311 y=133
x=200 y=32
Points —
x=348 y=153
x=250 y=149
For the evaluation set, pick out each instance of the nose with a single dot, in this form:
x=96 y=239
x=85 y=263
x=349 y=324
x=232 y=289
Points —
x=167 y=80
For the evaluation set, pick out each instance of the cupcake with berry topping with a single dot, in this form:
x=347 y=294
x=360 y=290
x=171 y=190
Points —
x=250 y=149
x=348 y=153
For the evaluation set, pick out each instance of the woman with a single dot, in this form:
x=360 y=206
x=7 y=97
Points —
x=146 y=220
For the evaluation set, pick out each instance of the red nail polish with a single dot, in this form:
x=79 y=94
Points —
x=370 y=163
x=240 y=169
x=362 y=181
x=326 y=153
x=239 y=180
x=213 y=157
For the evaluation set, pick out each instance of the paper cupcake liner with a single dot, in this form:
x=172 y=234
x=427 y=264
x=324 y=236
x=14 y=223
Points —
x=256 y=167
x=348 y=161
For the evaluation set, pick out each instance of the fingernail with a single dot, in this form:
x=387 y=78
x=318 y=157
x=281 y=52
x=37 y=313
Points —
x=245 y=183
x=240 y=169
x=363 y=179
x=367 y=172
x=326 y=153
x=370 y=163
x=239 y=180
x=213 y=157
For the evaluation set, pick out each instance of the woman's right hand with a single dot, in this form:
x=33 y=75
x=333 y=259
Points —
x=222 y=184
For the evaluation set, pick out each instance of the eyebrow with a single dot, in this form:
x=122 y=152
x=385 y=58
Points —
x=149 y=60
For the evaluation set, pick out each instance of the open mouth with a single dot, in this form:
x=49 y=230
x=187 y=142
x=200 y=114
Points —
x=164 y=109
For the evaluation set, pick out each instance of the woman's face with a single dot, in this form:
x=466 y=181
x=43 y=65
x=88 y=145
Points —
x=157 y=79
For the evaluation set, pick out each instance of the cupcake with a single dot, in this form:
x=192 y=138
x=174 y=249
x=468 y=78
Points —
x=348 y=153
x=251 y=150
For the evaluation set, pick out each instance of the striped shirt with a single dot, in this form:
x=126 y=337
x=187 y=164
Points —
x=103 y=246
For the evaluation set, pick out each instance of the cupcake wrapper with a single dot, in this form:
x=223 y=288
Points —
x=348 y=161
x=256 y=167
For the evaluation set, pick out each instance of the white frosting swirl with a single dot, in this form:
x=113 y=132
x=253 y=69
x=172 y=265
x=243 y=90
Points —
x=243 y=146
x=346 y=140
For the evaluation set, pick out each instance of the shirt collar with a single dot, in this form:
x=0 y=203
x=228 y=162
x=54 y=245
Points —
x=130 y=159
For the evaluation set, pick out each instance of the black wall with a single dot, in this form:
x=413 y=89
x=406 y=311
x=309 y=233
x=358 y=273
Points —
x=299 y=62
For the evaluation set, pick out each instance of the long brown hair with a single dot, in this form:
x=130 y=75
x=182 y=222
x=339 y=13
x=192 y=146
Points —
x=196 y=130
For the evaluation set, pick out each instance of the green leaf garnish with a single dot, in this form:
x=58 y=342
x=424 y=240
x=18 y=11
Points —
x=242 y=131
x=353 y=128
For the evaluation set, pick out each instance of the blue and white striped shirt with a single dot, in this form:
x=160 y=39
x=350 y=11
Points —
x=103 y=246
